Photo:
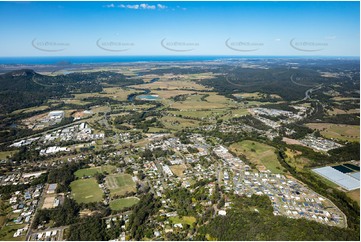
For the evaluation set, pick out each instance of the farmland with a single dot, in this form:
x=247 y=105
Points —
x=165 y=83
x=116 y=93
x=201 y=102
x=255 y=95
x=176 y=123
x=86 y=191
x=120 y=185
x=259 y=154
x=337 y=131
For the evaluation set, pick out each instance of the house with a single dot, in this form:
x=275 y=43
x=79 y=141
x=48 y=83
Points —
x=52 y=188
x=222 y=212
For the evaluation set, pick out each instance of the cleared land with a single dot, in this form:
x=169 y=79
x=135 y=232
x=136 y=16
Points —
x=166 y=83
x=86 y=191
x=6 y=154
x=354 y=195
x=337 y=131
x=256 y=95
x=7 y=232
x=336 y=111
x=259 y=154
x=178 y=169
x=121 y=203
x=202 y=101
x=171 y=93
x=93 y=170
x=291 y=141
x=31 y=109
x=115 y=93
x=295 y=159
x=49 y=201
x=184 y=220
x=120 y=184
x=176 y=123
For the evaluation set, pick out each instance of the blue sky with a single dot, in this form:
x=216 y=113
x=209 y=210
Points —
x=179 y=28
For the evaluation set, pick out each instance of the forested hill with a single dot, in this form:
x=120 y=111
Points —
x=20 y=80
x=26 y=88
x=18 y=90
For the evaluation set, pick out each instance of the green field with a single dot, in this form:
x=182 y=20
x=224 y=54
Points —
x=93 y=170
x=5 y=154
x=120 y=184
x=195 y=102
x=184 y=220
x=294 y=158
x=337 y=131
x=176 y=123
x=7 y=232
x=86 y=191
x=121 y=203
x=259 y=154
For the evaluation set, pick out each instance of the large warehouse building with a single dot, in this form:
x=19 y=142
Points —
x=346 y=181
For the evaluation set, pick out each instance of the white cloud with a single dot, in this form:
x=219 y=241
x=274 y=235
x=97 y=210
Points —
x=138 y=6
x=109 y=6
x=277 y=40
x=160 y=6
x=147 y=6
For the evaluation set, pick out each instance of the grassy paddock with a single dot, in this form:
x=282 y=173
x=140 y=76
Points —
x=354 y=195
x=337 y=131
x=5 y=154
x=184 y=220
x=259 y=154
x=177 y=123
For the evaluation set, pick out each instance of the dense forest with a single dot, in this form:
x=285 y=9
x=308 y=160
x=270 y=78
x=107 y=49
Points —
x=243 y=222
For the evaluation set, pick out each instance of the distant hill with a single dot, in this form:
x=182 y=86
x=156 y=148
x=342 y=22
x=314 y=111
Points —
x=18 y=90
x=26 y=88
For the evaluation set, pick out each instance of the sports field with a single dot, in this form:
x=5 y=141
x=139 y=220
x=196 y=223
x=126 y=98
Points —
x=91 y=171
x=120 y=184
x=121 y=203
x=259 y=154
x=337 y=131
x=86 y=191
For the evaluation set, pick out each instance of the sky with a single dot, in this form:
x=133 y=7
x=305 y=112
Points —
x=179 y=28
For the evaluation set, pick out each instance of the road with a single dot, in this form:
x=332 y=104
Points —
x=60 y=232
x=308 y=91
x=40 y=204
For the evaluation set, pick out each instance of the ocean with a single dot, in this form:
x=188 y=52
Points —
x=51 y=60
x=102 y=59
